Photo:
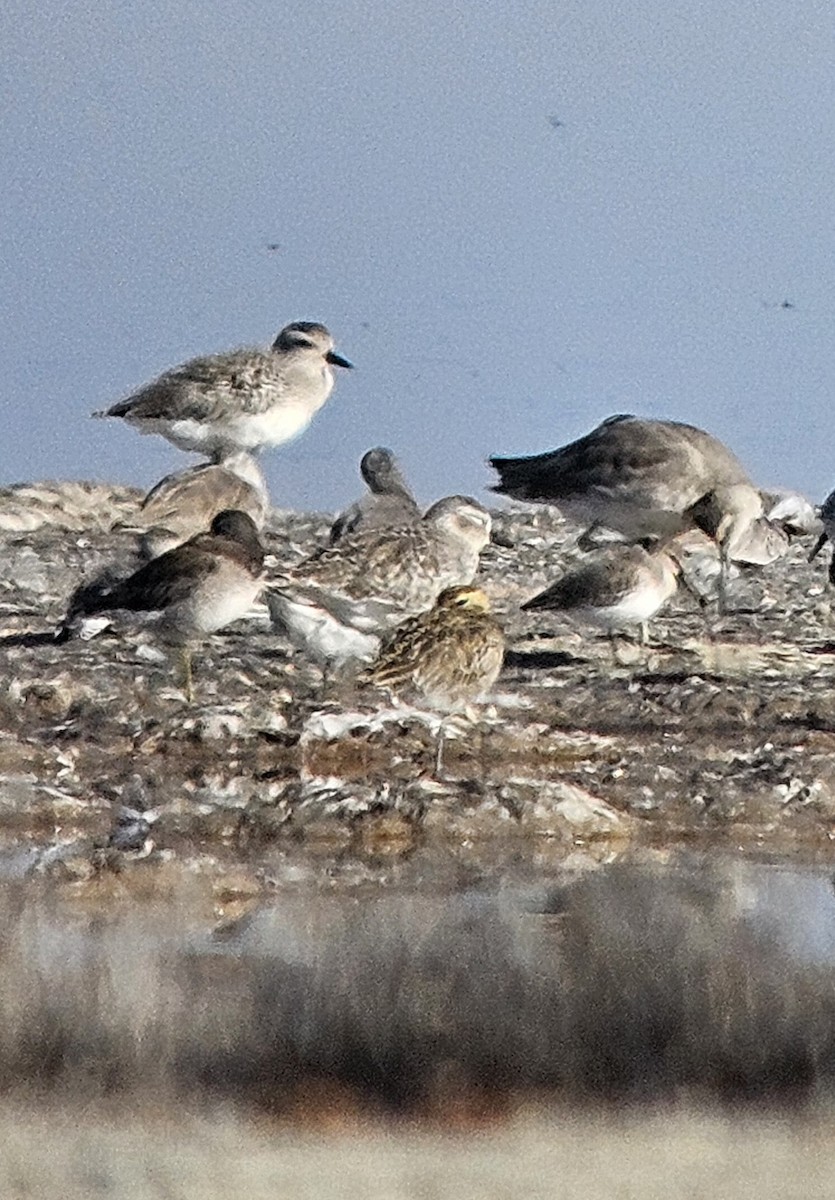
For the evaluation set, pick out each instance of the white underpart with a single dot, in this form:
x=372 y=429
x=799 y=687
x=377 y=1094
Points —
x=637 y=605
x=213 y=607
x=315 y=630
x=633 y=609
x=247 y=431
x=794 y=510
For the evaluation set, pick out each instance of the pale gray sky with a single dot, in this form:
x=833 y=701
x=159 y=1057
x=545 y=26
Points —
x=501 y=280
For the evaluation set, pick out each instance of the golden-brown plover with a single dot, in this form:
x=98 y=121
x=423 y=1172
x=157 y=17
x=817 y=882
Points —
x=337 y=603
x=183 y=504
x=192 y=590
x=631 y=475
x=447 y=658
x=388 y=501
x=241 y=400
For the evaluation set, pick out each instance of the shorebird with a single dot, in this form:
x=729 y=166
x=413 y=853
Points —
x=388 y=500
x=447 y=657
x=183 y=504
x=750 y=527
x=619 y=589
x=241 y=400
x=632 y=475
x=195 y=589
x=827 y=516
x=337 y=604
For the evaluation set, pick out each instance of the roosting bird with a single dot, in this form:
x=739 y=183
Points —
x=194 y=589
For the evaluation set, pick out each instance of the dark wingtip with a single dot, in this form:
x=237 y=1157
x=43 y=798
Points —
x=534 y=603
x=819 y=545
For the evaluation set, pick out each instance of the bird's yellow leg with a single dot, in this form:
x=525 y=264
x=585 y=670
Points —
x=188 y=681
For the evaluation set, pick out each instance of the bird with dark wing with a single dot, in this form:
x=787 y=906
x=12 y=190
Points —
x=190 y=591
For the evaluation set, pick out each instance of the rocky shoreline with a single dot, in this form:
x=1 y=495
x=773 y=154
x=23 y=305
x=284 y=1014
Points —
x=723 y=728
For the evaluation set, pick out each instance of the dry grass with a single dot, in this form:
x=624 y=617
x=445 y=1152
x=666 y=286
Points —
x=623 y=987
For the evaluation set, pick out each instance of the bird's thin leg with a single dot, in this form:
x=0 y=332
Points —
x=644 y=636
x=439 y=751
x=724 y=569
x=188 y=681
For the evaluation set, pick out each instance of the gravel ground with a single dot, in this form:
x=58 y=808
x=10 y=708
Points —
x=722 y=731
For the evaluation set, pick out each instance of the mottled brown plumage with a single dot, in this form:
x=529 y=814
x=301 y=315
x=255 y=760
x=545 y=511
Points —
x=448 y=656
x=219 y=404
x=184 y=504
x=338 y=603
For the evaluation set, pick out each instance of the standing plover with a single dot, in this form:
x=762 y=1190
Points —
x=388 y=500
x=338 y=603
x=631 y=475
x=447 y=657
x=196 y=588
x=619 y=588
x=185 y=503
x=241 y=400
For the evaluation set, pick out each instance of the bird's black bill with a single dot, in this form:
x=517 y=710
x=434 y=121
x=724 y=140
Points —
x=337 y=360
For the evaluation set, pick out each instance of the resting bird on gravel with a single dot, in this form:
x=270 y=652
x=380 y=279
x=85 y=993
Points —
x=388 y=500
x=241 y=400
x=447 y=657
x=196 y=588
x=338 y=603
x=184 y=504
x=617 y=590
x=631 y=475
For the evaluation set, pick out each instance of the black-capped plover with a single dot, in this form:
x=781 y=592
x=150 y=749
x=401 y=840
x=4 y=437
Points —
x=193 y=590
x=388 y=500
x=618 y=589
x=632 y=475
x=337 y=603
x=185 y=503
x=241 y=400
